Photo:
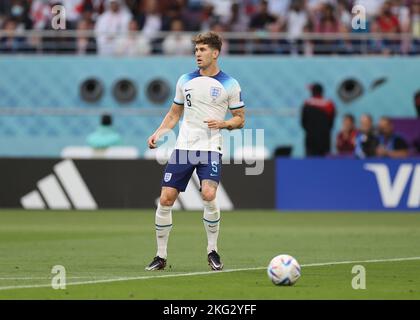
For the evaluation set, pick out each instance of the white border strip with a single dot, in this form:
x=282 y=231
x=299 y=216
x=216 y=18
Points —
x=117 y=279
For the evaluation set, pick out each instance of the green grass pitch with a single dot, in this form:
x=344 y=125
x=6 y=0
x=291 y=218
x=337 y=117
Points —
x=106 y=252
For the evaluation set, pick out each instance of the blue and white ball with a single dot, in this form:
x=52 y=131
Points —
x=283 y=270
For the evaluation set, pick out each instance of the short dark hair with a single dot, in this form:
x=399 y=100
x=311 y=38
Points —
x=212 y=39
x=317 y=89
x=386 y=119
x=350 y=117
x=106 y=120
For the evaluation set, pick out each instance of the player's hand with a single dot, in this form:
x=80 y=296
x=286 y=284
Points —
x=152 y=141
x=215 y=124
x=381 y=151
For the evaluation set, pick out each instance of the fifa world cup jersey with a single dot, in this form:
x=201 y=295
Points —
x=205 y=98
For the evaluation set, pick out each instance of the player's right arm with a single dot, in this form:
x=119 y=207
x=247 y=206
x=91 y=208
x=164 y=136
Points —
x=169 y=122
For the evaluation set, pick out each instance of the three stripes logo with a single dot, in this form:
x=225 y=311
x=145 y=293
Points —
x=64 y=189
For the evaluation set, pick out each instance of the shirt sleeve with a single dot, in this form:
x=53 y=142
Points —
x=179 y=96
x=235 y=97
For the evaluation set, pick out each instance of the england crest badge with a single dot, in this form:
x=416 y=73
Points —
x=215 y=92
x=167 y=177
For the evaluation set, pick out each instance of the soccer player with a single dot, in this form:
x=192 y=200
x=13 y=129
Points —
x=204 y=96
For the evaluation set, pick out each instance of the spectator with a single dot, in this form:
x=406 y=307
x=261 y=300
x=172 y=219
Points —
x=346 y=138
x=40 y=14
x=85 y=44
x=262 y=19
x=402 y=12
x=308 y=45
x=328 y=22
x=221 y=9
x=366 y=140
x=11 y=42
x=417 y=103
x=390 y=144
x=91 y=9
x=279 y=8
x=238 y=22
x=297 y=19
x=345 y=26
x=262 y=22
x=152 y=21
x=415 y=26
x=105 y=135
x=19 y=11
x=178 y=10
x=73 y=12
x=387 y=21
x=177 y=43
x=208 y=17
x=110 y=25
x=317 y=120
x=133 y=44
x=238 y=19
x=296 y=22
x=265 y=16
x=344 y=16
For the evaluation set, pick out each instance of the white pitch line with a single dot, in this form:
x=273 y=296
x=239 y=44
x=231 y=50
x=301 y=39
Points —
x=40 y=278
x=118 y=279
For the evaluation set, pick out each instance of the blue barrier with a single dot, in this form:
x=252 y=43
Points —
x=348 y=184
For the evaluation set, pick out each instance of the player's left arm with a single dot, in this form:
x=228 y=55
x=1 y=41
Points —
x=236 y=122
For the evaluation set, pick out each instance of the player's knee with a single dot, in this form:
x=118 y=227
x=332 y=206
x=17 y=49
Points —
x=208 y=194
x=167 y=201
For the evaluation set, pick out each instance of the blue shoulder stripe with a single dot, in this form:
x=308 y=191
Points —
x=189 y=76
x=227 y=81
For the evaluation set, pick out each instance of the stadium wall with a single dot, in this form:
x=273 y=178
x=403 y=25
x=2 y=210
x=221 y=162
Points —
x=274 y=87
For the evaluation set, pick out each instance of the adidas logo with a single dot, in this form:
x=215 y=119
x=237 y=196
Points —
x=191 y=198
x=63 y=189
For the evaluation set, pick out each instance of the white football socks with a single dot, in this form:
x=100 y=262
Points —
x=211 y=219
x=163 y=220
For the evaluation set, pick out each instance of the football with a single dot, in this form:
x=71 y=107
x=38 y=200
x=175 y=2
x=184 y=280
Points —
x=283 y=270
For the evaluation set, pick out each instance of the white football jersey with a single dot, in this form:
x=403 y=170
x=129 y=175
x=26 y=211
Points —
x=205 y=98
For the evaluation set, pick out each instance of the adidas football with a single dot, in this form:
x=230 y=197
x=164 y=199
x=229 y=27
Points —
x=283 y=270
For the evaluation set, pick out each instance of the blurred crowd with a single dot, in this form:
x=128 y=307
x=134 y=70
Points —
x=372 y=141
x=363 y=141
x=132 y=27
